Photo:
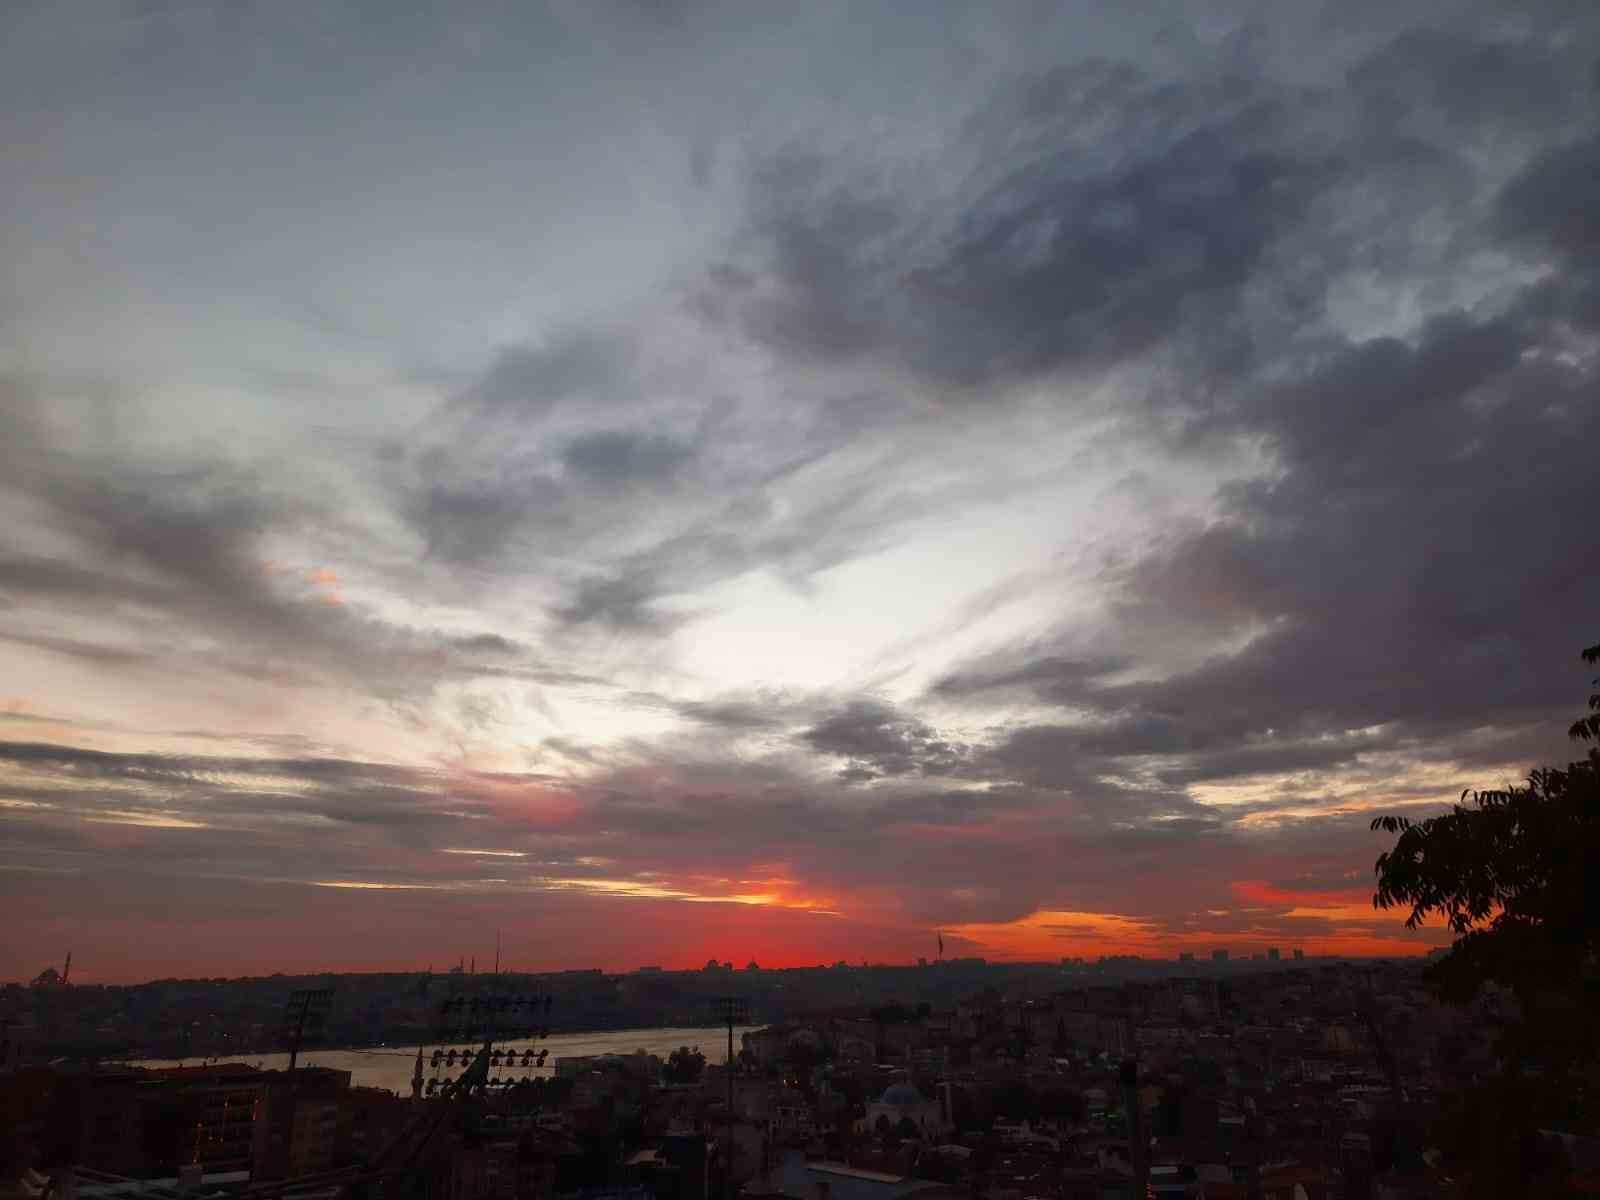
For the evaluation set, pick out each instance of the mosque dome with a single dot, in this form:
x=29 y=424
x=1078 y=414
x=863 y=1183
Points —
x=902 y=1095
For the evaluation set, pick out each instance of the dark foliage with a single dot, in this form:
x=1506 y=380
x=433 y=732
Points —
x=684 y=1065
x=1587 y=728
x=1510 y=871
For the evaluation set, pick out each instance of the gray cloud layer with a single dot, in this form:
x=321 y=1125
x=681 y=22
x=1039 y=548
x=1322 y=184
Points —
x=1338 y=266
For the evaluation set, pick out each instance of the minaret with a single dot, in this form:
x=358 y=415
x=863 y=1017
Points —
x=66 y=971
x=416 y=1077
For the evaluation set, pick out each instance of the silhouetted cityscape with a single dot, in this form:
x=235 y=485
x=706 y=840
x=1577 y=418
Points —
x=941 y=1079
x=211 y=1018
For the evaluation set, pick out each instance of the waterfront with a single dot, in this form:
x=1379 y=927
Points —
x=391 y=1066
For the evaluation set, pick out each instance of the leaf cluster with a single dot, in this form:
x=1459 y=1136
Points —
x=1587 y=728
x=684 y=1065
x=1508 y=872
x=1500 y=858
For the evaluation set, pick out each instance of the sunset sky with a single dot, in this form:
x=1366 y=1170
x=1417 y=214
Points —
x=777 y=480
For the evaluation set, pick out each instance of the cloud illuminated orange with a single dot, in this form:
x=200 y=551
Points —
x=1256 y=891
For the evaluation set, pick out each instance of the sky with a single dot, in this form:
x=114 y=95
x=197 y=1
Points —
x=765 y=481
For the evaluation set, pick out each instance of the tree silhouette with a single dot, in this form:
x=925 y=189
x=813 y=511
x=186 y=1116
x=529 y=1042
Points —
x=1587 y=728
x=684 y=1065
x=1507 y=870
x=1509 y=873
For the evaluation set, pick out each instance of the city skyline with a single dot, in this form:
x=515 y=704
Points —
x=667 y=480
x=466 y=965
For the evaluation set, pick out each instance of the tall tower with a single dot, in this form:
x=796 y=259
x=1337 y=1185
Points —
x=66 y=970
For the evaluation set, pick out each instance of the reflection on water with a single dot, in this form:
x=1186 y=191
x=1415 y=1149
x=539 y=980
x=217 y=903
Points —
x=391 y=1066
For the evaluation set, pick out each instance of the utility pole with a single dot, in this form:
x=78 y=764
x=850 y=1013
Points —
x=1138 y=1140
x=730 y=1010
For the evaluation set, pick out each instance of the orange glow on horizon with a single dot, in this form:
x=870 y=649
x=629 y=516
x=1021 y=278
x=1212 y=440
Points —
x=1048 y=935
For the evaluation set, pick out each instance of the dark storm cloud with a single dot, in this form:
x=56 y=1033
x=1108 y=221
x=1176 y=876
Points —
x=705 y=474
x=221 y=812
x=1123 y=214
x=730 y=713
x=1408 y=571
x=79 y=761
x=1093 y=783
x=1449 y=76
x=617 y=458
x=27 y=576
x=1050 y=675
x=1065 y=258
x=1555 y=200
x=1050 y=269
x=289 y=818
x=526 y=382
x=487 y=478
x=1273 y=756
x=876 y=740
x=1415 y=566
x=627 y=602
x=475 y=510
x=488 y=643
x=176 y=530
x=183 y=537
